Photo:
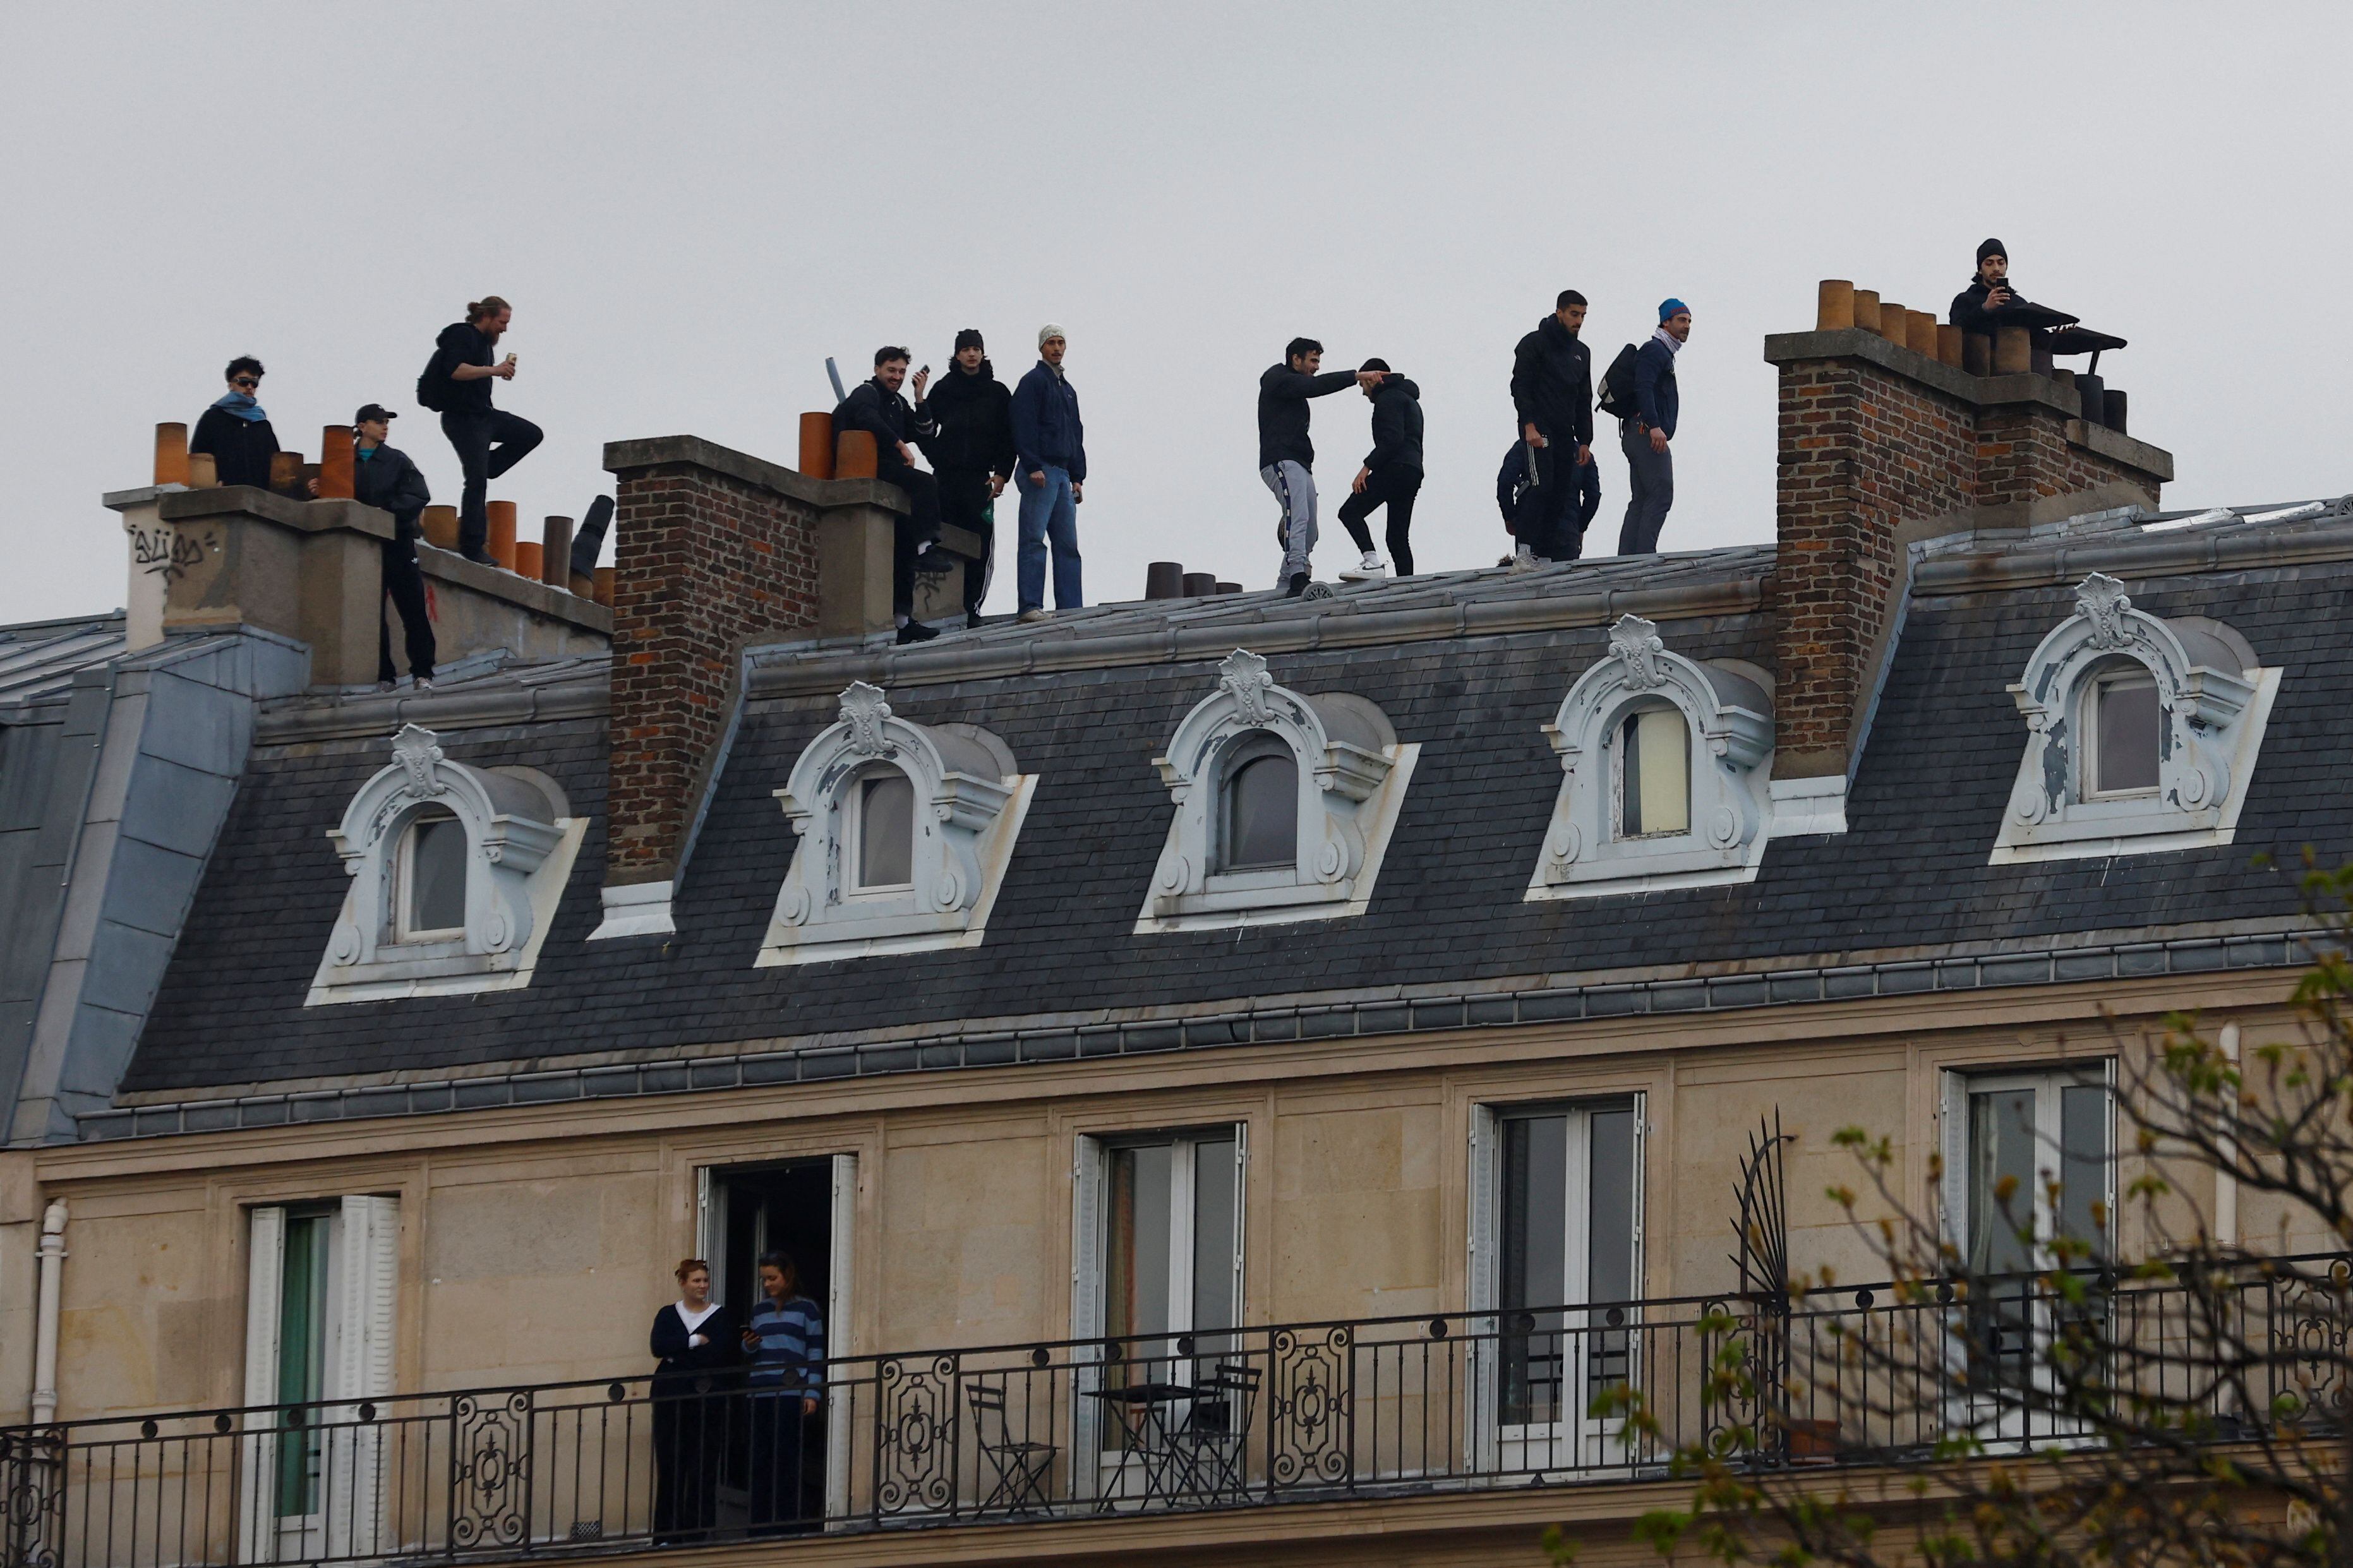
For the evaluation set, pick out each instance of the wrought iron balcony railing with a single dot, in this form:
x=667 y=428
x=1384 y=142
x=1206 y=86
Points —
x=1098 y=1429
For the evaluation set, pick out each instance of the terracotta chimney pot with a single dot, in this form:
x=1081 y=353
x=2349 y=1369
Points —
x=171 y=454
x=1866 y=309
x=817 y=446
x=337 y=459
x=203 y=473
x=502 y=534
x=854 y=455
x=1834 y=308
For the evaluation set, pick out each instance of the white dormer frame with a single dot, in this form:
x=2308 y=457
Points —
x=519 y=847
x=1352 y=771
x=1729 y=717
x=2214 y=700
x=970 y=800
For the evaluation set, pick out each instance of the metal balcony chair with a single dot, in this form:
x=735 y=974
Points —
x=1021 y=1467
x=1215 y=1435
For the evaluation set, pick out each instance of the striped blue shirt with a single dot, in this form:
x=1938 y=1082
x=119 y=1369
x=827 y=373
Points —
x=792 y=1345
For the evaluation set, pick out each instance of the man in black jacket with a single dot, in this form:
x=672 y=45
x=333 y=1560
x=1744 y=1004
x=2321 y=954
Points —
x=1978 y=307
x=1391 y=475
x=1286 y=457
x=235 y=432
x=384 y=478
x=1552 y=391
x=874 y=404
x=971 y=454
x=488 y=441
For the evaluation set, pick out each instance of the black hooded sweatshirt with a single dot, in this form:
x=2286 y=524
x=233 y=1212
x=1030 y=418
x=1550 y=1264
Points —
x=1282 y=395
x=1397 y=428
x=975 y=415
x=1552 y=383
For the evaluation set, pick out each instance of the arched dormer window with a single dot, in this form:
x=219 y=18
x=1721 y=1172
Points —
x=1284 y=805
x=455 y=873
x=2142 y=733
x=905 y=831
x=1663 y=772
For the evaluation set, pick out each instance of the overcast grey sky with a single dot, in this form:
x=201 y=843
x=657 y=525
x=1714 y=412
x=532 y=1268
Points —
x=691 y=206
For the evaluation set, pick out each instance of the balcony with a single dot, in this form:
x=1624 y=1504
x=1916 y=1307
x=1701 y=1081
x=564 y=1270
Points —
x=1102 y=1431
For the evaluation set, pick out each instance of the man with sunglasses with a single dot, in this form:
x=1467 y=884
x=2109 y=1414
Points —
x=235 y=432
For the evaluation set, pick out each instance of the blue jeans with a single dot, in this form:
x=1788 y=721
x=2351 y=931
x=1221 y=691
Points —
x=1047 y=512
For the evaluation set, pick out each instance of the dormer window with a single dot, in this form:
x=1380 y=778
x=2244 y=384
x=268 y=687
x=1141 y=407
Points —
x=2120 y=729
x=2142 y=733
x=1284 y=805
x=1260 y=826
x=882 y=833
x=1664 y=763
x=455 y=870
x=904 y=831
x=1653 y=774
x=432 y=877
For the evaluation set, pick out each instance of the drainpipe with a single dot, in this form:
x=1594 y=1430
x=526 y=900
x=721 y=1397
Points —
x=2226 y=1180
x=45 y=1342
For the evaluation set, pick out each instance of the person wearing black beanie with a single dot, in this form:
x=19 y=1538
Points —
x=1977 y=308
x=972 y=452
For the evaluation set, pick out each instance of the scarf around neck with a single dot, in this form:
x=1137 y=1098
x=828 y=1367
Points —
x=244 y=407
x=1675 y=344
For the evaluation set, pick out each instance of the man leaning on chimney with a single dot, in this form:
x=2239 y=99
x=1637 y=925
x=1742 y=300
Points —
x=875 y=405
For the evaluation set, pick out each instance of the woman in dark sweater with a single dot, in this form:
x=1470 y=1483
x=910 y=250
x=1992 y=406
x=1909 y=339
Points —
x=699 y=1346
x=236 y=431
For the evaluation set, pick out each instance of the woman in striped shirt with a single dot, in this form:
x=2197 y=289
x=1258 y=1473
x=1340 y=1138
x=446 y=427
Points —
x=785 y=1342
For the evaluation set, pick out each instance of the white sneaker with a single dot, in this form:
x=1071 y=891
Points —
x=424 y=686
x=1036 y=615
x=1524 y=559
x=1370 y=567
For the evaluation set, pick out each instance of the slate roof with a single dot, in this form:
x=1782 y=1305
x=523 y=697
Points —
x=1906 y=890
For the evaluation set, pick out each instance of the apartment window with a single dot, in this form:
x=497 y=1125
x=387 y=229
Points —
x=1259 y=830
x=1653 y=774
x=2017 y=1134
x=882 y=832
x=2122 y=721
x=432 y=879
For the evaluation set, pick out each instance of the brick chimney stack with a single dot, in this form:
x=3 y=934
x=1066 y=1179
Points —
x=1888 y=441
x=714 y=551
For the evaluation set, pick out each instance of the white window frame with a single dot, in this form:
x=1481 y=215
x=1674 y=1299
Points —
x=1630 y=719
x=2215 y=701
x=404 y=926
x=1247 y=751
x=2096 y=688
x=1728 y=729
x=853 y=838
x=1493 y=1447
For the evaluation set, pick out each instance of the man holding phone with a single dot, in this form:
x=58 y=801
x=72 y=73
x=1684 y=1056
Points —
x=875 y=405
x=488 y=441
x=1978 y=307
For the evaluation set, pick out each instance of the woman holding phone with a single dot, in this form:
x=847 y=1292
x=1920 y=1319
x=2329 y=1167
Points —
x=786 y=1341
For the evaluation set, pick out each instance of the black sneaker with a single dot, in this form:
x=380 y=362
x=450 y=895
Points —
x=915 y=631
x=480 y=557
x=934 y=564
x=1296 y=586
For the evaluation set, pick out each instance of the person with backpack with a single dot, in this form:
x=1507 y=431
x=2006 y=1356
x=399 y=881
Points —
x=971 y=454
x=382 y=477
x=1552 y=391
x=1391 y=474
x=1643 y=436
x=488 y=441
x=1286 y=457
x=234 y=431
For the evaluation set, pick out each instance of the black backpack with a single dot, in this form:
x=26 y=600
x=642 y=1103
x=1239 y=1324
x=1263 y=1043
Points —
x=1617 y=386
x=433 y=385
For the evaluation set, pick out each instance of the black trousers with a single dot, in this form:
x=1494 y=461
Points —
x=965 y=501
x=690 y=1448
x=776 y=1485
x=488 y=445
x=1394 y=489
x=403 y=585
x=1566 y=496
x=916 y=531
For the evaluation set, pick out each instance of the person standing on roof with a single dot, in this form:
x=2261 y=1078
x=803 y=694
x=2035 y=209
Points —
x=488 y=441
x=971 y=451
x=876 y=406
x=1391 y=475
x=1286 y=457
x=1552 y=391
x=234 y=431
x=1649 y=465
x=385 y=478
x=1050 y=468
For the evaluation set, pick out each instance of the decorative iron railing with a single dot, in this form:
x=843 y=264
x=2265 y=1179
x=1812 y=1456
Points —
x=1104 y=1429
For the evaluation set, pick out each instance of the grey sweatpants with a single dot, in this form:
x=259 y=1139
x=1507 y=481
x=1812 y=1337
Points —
x=1294 y=487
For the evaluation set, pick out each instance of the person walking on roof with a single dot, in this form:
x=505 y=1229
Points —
x=875 y=405
x=971 y=451
x=382 y=477
x=488 y=441
x=1050 y=468
x=234 y=431
x=1552 y=391
x=1286 y=457
x=1391 y=474
x=1649 y=465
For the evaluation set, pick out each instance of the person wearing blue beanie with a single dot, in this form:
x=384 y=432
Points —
x=1649 y=465
x=1670 y=308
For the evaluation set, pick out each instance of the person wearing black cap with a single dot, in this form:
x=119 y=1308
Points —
x=385 y=478
x=1977 y=308
x=971 y=449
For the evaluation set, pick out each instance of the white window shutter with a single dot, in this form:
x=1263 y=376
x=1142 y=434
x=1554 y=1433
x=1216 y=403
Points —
x=1483 y=1329
x=837 y=1334
x=368 y=1293
x=265 y=1279
x=1086 y=1308
x=1242 y=1212
x=1952 y=1141
x=1641 y=1135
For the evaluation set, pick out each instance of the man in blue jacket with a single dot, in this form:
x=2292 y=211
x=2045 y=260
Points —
x=1649 y=465
x=1049 y=469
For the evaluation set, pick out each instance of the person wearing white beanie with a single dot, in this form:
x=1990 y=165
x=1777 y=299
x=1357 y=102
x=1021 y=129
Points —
x=1049 y=469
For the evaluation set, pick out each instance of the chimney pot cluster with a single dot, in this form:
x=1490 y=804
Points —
x=1170 y=580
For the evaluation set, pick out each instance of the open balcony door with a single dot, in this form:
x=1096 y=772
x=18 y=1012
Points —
x=841 y=1336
